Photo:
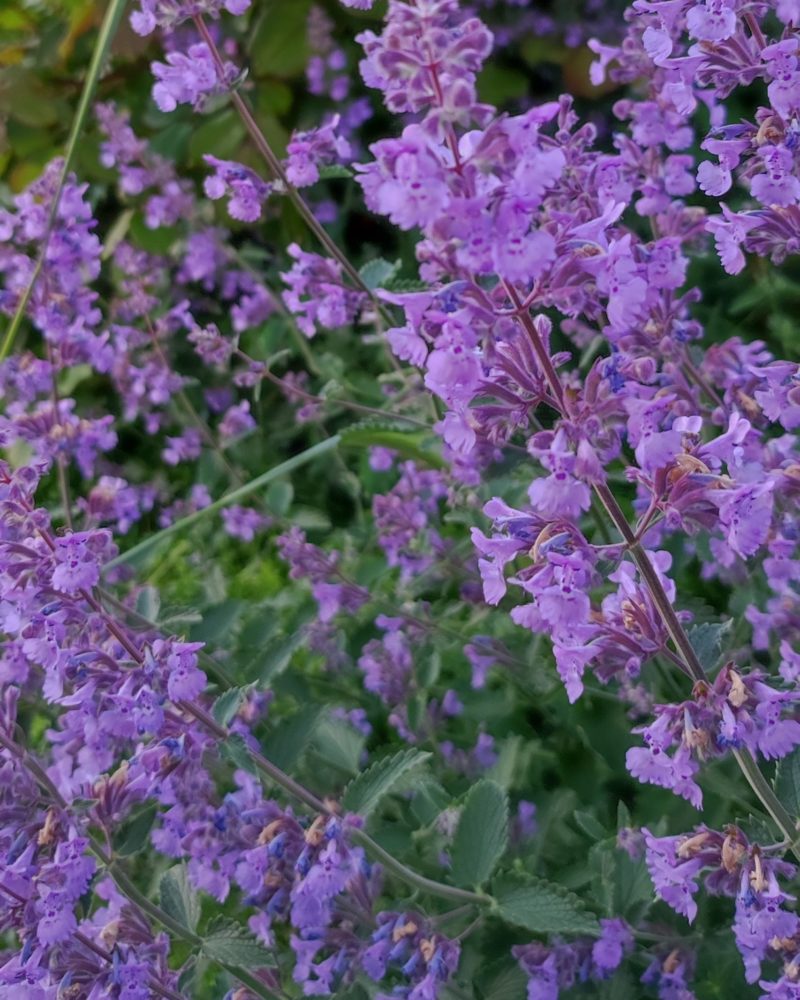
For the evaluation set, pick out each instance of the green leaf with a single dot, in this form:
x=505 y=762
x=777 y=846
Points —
x=279 y=497
x=288 y=740
x=220 y=134
x=217 y=622
x=504 y=768
x=364 y=793
x=231 y=945
x=376 y=273
x=178 y=898
x=707 y=641
x=505 y=980
x=235 y=750
x=279 y=46
x=401 y=285
x=334 y=171
x=545 y=908
x=787 y=781
x=622 y=986
x=429 y=801
x=590 y=825
x=133 y=835
x=409 y=444
x=340 y=744
x=279 y=655
x=481 y=835
x=227 y=705
x=148 y=603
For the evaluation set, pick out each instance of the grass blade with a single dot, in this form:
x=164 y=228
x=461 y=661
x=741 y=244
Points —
x=238 y=494
x=101 y=47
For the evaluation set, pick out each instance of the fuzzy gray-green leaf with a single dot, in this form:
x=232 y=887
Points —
x=364 y=793
x=545 y=908
x=481 y=835
x=178 y=898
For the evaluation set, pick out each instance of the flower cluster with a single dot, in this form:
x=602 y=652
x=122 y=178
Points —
x=562 y=447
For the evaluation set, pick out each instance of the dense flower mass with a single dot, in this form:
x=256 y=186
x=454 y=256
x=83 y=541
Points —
x=379 y=570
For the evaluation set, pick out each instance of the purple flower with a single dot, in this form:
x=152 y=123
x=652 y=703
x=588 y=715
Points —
x=244 y=189
x=185 y=680
x=78 y=559
x=243 y=522
x=308 y=151
x=406 y=181
x=729 y=233
x=187 y=78
x=711 y=21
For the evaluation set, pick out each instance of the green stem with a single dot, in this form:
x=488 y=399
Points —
x=101 y=46
x=412 y=878
x=238 y=494
x=769 y=799
x=277 y=170
x=329 y=807
x=688 y=657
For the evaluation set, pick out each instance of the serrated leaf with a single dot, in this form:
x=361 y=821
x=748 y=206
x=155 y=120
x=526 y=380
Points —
x=787 y=781
x=481 y=835
x=401 y=285
x=232 y=945
x=288 y=740
x=707 y=641
x=334 y=171
x=364 y=793
x=545 y=908
x=340 y=744
x=235 y=750
x=178 y=898
x=227 y=705
x=409 y=444
x=376 y=273
x=506 y=982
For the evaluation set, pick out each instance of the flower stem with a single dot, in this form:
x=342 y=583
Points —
x=687 y=655
x=329 y=807
x=275 y=166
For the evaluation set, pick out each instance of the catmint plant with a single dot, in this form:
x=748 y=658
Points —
x=398 y=533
